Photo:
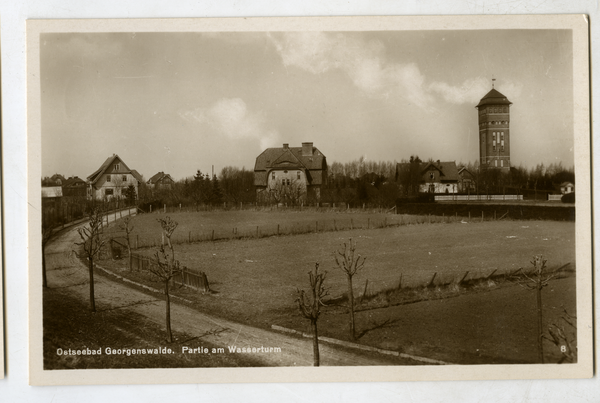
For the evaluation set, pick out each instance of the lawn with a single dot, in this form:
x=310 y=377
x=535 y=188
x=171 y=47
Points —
x=255 y=280
x=235 y=224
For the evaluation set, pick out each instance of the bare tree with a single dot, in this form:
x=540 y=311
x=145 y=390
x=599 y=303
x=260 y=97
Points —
x=92 y=241
x=538 y=281
x=166 y=267
x=310 y=308
x=350 y=264
x=127 y=226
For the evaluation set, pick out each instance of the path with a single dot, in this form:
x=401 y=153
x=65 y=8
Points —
x=65 y=270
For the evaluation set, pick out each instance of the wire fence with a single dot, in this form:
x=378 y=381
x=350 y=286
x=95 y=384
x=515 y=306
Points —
x=287 y=228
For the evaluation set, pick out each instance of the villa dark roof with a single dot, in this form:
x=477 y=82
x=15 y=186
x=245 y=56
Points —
x=74 y=181
x=493 y=98
x=448 y=170
x=158 y=177
x=290 y=158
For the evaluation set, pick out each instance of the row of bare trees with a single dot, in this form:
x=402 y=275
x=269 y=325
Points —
x=310 y=303
x=93 y=241
x=350 y=263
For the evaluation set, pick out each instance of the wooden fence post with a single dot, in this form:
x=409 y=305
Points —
x=365 y=291
x=432 y=278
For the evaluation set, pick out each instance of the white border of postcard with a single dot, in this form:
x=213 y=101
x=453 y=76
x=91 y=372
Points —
x=581 y=82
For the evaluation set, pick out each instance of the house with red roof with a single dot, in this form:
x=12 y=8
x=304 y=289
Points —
x=112 y=179
x=290 y=174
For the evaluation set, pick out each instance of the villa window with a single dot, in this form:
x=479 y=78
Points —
x=273 y=176
x=117 y=166
x=298 y=175
x=124 y=178
x=108 y=178
x=108 y=192
x=431 y=175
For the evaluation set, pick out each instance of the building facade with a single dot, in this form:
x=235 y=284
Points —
x=291 y=175
x=160 y=181
x=112 y=179
x=494 y=131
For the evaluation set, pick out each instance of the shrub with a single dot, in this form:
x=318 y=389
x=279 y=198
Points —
x=568 y=198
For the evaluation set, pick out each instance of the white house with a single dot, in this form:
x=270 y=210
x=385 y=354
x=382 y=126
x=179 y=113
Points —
x=112 y=179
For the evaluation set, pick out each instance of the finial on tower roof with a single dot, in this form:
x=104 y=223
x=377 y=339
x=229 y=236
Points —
x=493 y=79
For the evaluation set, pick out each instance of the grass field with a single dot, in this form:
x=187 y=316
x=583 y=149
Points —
x=235 y=224
x=255 y=280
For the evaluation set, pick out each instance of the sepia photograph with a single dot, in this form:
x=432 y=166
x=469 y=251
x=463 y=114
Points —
x=223 y=200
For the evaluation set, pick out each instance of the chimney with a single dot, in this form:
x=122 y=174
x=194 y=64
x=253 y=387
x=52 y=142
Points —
x=307 y=149
x=286 y=146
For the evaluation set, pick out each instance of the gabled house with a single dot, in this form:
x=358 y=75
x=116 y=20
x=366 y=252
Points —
x=291 y=174
x=466 y=181
x=567 y=187
x=440 y=177
x=160 y=181
x=74 y=187
x=112 y=179
x=432 y=177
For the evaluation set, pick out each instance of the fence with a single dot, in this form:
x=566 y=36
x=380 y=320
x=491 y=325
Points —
x=345 y=222
x=186 y=277
x=478 y=197
x=162 y=208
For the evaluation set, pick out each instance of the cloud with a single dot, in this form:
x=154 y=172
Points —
x=365 y=63
x=231 y=117
x=471 y=90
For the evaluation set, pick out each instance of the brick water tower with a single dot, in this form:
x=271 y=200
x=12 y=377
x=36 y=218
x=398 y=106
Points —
x=494 y=131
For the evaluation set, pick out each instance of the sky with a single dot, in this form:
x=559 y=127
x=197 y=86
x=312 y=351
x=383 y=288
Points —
x=179 y=102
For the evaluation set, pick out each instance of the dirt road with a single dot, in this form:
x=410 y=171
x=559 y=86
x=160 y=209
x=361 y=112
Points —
x=65 y=270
